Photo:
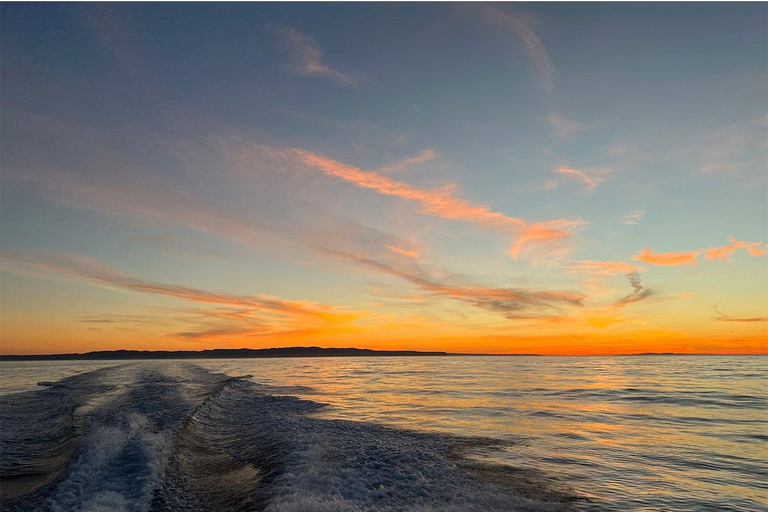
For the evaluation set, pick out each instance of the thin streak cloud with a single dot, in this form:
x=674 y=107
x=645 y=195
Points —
x=421 y=157
x=512 y=303
x=93 y=271
x=524 y=28
x=562 y=127
x=722 y=317
x=632 y=217
x=306 y=57
x=443 y=203
x=589 y=180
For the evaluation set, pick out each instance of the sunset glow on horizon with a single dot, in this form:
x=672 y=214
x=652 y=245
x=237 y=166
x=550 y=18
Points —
x=570 y=179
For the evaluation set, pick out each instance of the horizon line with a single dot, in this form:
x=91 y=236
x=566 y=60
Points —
x=367 y=352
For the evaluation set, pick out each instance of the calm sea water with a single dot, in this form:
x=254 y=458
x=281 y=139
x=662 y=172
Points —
x=630 y=433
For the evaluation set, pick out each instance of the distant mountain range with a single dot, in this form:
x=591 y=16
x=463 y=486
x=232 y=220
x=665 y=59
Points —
x=223 y=353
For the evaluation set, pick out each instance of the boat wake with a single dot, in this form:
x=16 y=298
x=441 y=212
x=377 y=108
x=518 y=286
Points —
x=168 y=436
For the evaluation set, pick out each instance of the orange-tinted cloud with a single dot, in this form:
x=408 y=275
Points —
x=689 y=258
x=443 y=203
x=548 y=234
x=589 y=180
x=721 y=253
x=404 y=252
x=666 y=258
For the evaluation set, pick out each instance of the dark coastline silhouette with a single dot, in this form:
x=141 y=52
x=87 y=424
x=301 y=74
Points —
x=221 y=353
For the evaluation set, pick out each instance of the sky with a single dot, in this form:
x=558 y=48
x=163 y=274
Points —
x=583 y=178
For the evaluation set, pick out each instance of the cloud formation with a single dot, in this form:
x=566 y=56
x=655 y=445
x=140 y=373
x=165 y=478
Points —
x=722 y=317
x=141 y=198
x=632 y=217
x=722 y=253
x=408 y=253
x=421 y=157
x=444 y=204
x=689 y=257
x=524 y=28
x=306 y=57
x=96 y=273
x=132 y=194
x=639 y=294
x=562 y=127
x=666 y=258
x=590 y=180
x=512 y=303
x=735 y=148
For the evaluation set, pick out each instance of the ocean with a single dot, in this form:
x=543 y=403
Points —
x=642 y=433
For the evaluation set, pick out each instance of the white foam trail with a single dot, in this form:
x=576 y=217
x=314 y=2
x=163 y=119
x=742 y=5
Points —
x=119 y=469
x=176 y=437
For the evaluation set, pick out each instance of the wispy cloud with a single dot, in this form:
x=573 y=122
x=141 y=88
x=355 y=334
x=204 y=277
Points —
x=443 y=203
x=524 y=28
x=133 y=194
x=590 y=180
x=141 y=198
x=605 y=315
x=689 y=257
x=298 y=313
x=92 y=270
x=113 y=25
x=726 y=318
x=562 y=127
x=408 y=253
x=632 y=217
x=640 y=293
x=116 y=319
x=512 y=303
x=421 y=157
x=306 y=57
x=736 y=147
